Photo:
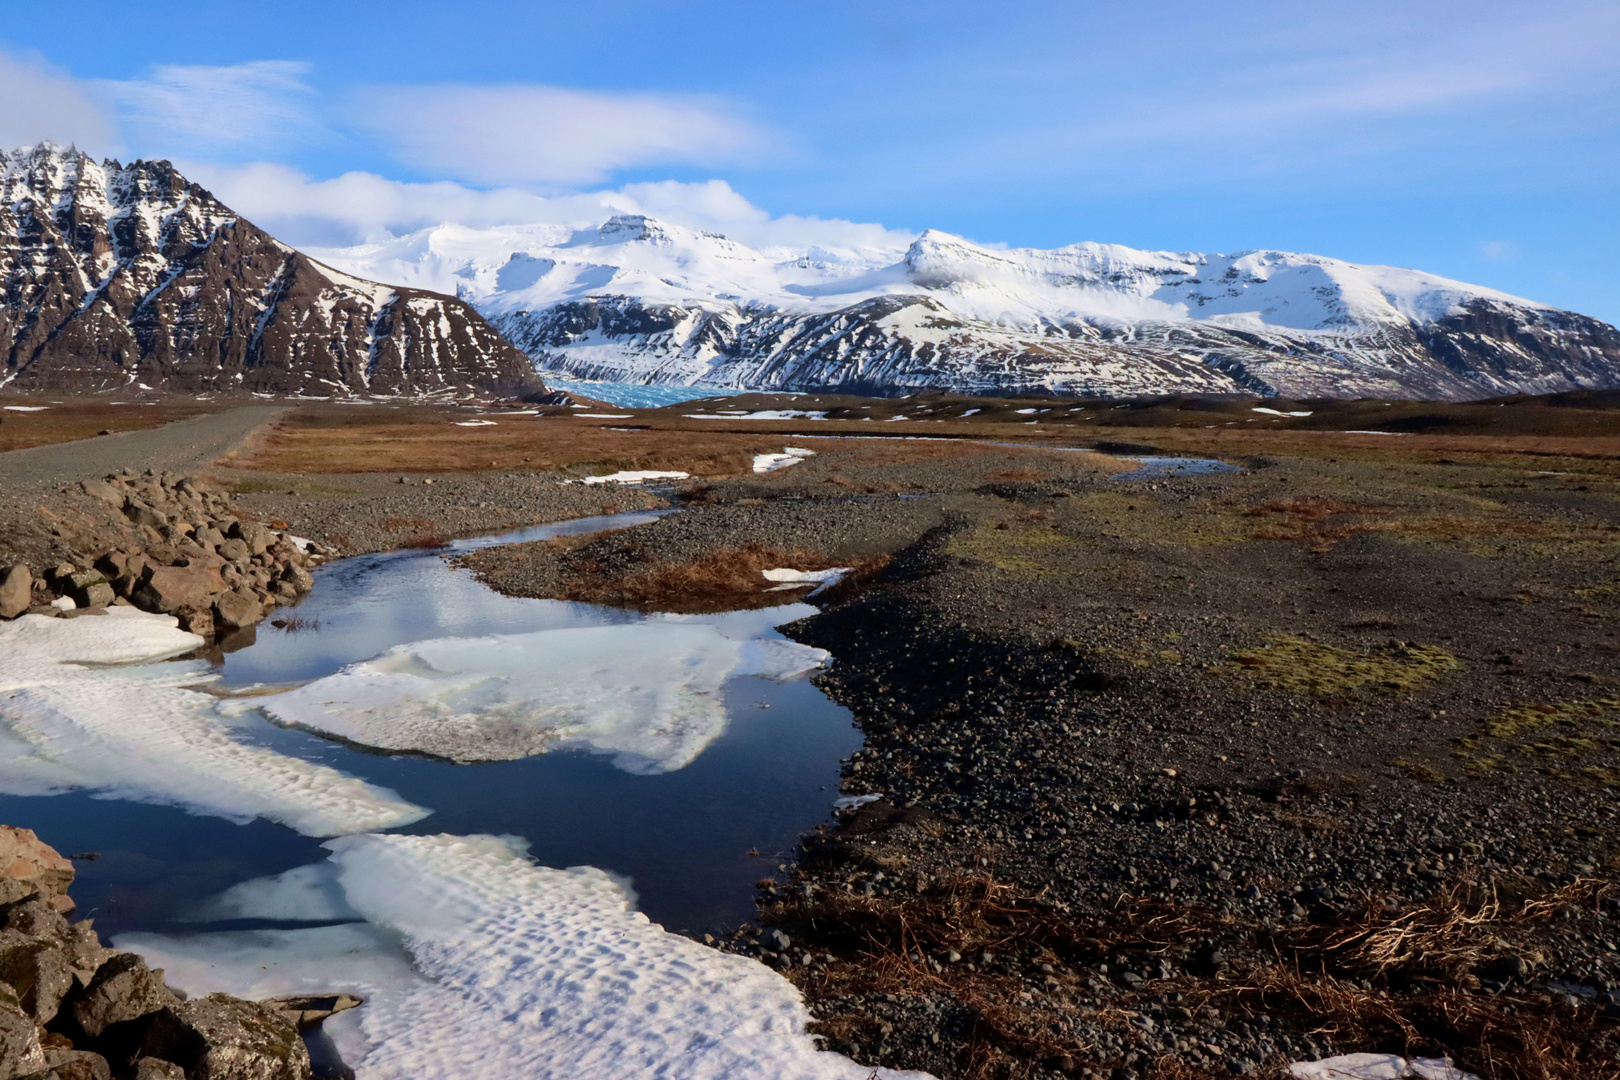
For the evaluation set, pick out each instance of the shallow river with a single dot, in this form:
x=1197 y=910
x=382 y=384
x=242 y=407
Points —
x=691 y=840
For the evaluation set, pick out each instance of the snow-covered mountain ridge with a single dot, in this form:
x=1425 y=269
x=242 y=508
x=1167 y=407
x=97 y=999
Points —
x=112 y=275
x=640 y=300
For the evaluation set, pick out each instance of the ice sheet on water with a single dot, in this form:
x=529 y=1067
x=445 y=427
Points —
x=84 y=704
x=302 y=894
x=476 y=962
x=630 y=477
x=646 y=692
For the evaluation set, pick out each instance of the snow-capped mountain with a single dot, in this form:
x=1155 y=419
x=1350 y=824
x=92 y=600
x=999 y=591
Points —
x=119 y=274
x=644 y=301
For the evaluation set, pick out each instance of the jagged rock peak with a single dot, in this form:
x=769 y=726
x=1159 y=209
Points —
x=130 y=274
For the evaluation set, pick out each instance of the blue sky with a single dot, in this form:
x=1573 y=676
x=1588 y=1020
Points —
x=1479 y=140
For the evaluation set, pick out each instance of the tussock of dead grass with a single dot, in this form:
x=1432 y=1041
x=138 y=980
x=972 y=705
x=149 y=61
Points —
x=1367 y=977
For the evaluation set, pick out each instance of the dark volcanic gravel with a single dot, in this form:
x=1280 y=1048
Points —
x=1164 y=764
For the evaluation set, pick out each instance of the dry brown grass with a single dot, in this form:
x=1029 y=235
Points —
x=1373 y=977
x=68 y=421
x=727 y=579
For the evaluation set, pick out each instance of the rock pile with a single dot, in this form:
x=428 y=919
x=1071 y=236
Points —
x=71 y=1009
x=182 y=550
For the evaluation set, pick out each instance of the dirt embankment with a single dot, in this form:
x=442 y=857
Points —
x=1192 y=777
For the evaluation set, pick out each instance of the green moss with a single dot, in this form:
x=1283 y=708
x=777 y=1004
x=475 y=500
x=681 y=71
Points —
x=1529 y=717
x=1020 y=549
x=1294 y=665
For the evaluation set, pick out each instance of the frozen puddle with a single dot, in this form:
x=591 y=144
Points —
x=476 y=962
x=644 y=692
x=84 y=704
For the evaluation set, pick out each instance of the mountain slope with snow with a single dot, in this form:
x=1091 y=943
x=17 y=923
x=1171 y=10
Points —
x=118 y=274
x=644 y=301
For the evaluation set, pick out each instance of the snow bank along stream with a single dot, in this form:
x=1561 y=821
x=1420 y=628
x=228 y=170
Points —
x=439 y=901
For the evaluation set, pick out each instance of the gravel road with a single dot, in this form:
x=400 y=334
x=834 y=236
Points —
x=183 y=446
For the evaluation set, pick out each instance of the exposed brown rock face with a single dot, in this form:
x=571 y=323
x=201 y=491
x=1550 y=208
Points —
x=112 y=275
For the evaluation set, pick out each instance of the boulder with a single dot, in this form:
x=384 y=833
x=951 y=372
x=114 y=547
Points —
x=25 y=857
x=143 y=516
x=298 y=578
x=151 y=1068
x=234 y=550
x=20 y=1049
x=200 y=623
x=16 y=588
x=89 y=588
x=39 y=970
x=171 y=588
x=223 y=1038
x=238 y=608
x=64 y=1064
x=124 y=989
x=111 y=494
x=257 y=536
x=307 y=1010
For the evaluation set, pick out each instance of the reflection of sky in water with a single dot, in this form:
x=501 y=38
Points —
x=682 y=837
x=365 y=605
x=1175 y=466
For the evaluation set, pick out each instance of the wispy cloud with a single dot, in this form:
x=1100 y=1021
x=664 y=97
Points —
x=43 y=103
x=259 y=106
x=529 y=134
x=360 y=207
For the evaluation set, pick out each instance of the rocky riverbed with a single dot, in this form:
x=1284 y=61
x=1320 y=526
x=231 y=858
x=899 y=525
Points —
x=1194 y=776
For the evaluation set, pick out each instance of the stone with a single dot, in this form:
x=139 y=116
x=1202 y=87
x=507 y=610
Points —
x=16 y=590
x=170 y=588
x=307 y=1010
x=111 y=494
x=89 y=588
x=65 y=1064
x=200 y=623
x=234 y=550
x=258 y=537
x=20 y=1049
x=238 y=608
x=298 y=578
x=25 y=857
x=151 y=1068
x=144 y=516
x=222 y=1038
x=124 y=988
x=39 y=970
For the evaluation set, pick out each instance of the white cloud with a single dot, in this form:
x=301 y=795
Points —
x=360 y=207
x=529 y=134
x=43 y=103
x=1499 y=250
x=194 y=110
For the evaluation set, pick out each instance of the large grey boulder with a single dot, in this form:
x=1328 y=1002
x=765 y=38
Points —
x=16 y=588
x=64 y=1064
x=20 y=1049
x=223 y=1038
x=39 y=970
x=124 y=989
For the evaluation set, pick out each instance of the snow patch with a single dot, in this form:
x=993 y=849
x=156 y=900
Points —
x=1279 y=412
x=1377 y=1067
x=476 y=962
x=629 y=477
x=791 y=455
x=821 y=579
x=84 y=703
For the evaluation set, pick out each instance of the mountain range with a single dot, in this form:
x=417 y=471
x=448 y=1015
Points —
x=129 y=275
x=644 y=301
x=121 y=276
